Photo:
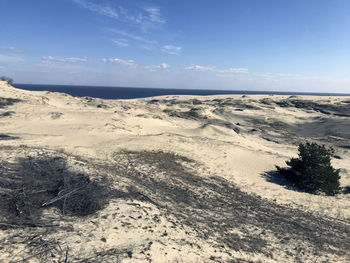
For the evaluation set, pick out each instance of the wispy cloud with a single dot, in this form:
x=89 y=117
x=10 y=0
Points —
x=201 y=68
x=215 y=69
x=134 y=37
x=153 y=18
x=12 y=49
x=144 y=17
x=235 y=70
x=147 y=17
x=132 y=64
x=100 y=9
x=10 y=59
x=162 y=66
x=119 y=61
x=171 y=49
x=120 y=42
x=63 y=60
x=138 y=19
x=155 y=15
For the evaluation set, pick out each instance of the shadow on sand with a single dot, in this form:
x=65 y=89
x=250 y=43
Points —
x=276 y=178
x=346 y=190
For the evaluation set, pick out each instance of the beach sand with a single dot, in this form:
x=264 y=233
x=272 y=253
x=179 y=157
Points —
x=197 y=173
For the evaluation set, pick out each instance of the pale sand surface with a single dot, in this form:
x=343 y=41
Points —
x=226 y=208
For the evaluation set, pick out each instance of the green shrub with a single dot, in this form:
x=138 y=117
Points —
x=7 y=79
x=312 y=170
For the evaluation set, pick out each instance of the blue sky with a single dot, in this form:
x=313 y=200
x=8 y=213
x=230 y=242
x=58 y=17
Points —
x=282 y=45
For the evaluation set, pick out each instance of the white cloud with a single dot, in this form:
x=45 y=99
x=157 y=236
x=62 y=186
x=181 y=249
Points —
x=63 y=60
x=12 y=49
x=201 y=68
x=118 y=61
x=172 y=50
x=215 y=69
x=162 y=66
x=120 y=42
x=165 y=65
x=146 y=46
x=235 y=70
x=102 y=10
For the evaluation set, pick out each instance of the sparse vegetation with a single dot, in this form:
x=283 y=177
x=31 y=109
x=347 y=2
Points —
x=213 y=206
x=5 y=102
x=209 y=206
x=35 y=184
x=312 y=170
x=7 y=137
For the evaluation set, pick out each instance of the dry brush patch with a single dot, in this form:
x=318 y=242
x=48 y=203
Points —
x=44 y=194
x=5 y=137
x=337 y=109
x=38 y=192
x=213 y=207
x=35 y=183
x=4 y=102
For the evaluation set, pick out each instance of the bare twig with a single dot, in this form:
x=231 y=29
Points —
x=57 y=198
x=66 y=258
x=101 y=254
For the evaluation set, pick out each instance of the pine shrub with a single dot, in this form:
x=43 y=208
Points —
x=7 y=79
x=312 y=170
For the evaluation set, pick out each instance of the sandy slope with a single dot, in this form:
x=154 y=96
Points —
x=232 y=137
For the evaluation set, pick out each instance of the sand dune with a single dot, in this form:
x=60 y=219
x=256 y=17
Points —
x=195 y=173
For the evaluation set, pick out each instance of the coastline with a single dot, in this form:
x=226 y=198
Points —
x=133 y=92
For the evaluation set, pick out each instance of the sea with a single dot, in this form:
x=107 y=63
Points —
x=133 y=93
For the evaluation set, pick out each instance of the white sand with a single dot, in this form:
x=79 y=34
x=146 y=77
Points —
x=80 y=126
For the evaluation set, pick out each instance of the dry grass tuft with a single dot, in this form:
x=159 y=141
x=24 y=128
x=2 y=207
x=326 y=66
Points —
x=4 y=102
x=35 y=184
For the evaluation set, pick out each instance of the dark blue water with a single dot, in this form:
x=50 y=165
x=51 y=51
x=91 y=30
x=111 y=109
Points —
x=132 y=93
